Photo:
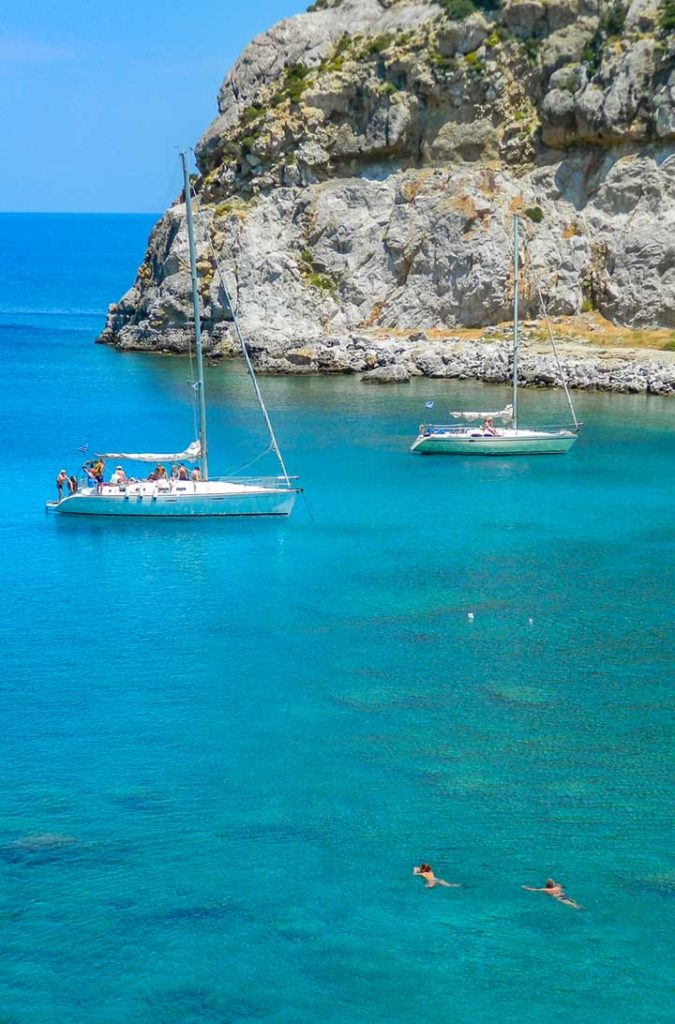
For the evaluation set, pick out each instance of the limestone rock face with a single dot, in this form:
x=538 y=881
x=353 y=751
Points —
x=366 y=162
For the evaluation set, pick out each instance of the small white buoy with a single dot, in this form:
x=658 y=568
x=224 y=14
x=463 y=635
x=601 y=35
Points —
x=530 y=621
x=470 y=616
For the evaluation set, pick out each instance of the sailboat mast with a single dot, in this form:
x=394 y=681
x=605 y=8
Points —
x=515 y=320
x=199 y=383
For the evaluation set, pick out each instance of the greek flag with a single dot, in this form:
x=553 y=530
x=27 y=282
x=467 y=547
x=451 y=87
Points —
x=428 y=405
x=84 y=448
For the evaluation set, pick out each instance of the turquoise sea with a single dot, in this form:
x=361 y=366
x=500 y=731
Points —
x=226 y=744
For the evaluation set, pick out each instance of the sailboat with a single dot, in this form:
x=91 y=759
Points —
x=478 y=435
x=197 y=494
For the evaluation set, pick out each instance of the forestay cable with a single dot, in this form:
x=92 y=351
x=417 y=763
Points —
x=563 y=378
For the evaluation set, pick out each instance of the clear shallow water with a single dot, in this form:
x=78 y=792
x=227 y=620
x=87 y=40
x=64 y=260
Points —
x=247 y=733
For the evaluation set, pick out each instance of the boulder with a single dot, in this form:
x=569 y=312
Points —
x=393 y=374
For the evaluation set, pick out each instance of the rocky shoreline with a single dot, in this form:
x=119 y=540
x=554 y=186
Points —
x=383 y=359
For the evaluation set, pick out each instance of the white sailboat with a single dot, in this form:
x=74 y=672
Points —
x=200 y=494
x=478 y=435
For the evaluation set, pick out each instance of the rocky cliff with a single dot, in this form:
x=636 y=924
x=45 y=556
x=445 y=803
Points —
x=361 y=176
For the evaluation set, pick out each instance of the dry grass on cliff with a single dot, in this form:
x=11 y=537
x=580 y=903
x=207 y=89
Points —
x=585 y=331
x=592 y=329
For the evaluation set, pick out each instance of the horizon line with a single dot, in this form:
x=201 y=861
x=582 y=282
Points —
x=80 y=213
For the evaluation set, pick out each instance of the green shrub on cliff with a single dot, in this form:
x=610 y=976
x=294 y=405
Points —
x=532 y=46
x=313 y=275
x=474 y=63
x=295 y=82
x=378 y=44
x=324 y=282
x=667 y=18
x=457 y=10
x=337 y=58
x=249 y=115
x=612 y=21
x=437 y=60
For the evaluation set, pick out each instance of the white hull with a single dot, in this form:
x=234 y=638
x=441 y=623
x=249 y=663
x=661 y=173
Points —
x=468 y=441
x=210 y=498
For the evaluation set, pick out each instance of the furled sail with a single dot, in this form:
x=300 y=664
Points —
x=191 y=454
x=505 y=415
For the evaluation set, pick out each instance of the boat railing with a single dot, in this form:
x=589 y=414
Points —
x=258 y=481
x=133 y=486
x=428 y=429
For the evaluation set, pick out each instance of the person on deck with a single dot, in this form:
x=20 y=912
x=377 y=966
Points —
x=195 y=475
x=174 y=471
x=72 y=485
x=160 y=472
x=425 y=872
x=182 y=472
x=488 y=426
x=96 y=471
x=60 y=481
x=555 y=889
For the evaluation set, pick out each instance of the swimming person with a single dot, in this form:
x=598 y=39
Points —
x=554 y=889
x=425 y=872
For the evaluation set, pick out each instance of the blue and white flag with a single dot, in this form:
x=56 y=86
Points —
x=84 y=448
x=428 y=405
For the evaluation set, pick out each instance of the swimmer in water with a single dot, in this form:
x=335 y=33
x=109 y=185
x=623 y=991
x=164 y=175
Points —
x=425 y=872
x=555 y=890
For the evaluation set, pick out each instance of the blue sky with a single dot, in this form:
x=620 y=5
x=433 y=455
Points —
x=96 y=94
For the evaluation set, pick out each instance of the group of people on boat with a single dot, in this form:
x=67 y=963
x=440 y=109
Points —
x=94 y=471
x=178 y=472
x=552 y=888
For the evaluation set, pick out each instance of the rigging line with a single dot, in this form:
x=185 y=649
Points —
x=256 y=458
x=244 y=348
x=309 y=510
x=544 y=310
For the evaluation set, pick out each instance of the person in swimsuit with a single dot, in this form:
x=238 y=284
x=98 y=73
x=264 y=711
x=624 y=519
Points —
x=425 y=872
x=554 y=889
x=61 y=479
x=488 y=427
